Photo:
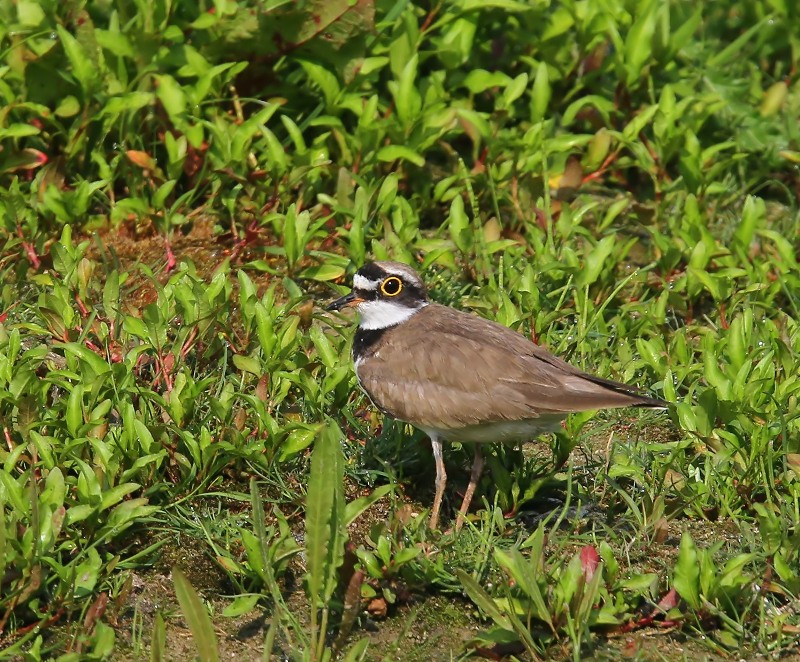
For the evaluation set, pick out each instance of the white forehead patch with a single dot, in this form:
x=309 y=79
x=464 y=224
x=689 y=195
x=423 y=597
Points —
x=361 y=283
x=383 y=314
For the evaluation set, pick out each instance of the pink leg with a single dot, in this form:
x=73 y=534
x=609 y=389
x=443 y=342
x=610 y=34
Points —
x=475 y=476
x=441 y=481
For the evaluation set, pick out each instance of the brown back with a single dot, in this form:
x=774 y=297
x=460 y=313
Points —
x=447 y=369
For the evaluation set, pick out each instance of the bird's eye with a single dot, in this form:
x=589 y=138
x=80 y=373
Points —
x=392 y=286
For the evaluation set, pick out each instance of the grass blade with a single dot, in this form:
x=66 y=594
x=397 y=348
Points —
x=158 y=641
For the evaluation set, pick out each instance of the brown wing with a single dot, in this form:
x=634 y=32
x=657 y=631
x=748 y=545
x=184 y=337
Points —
x=474 y=371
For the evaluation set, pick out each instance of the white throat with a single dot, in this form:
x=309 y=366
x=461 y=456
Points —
x=383 y=314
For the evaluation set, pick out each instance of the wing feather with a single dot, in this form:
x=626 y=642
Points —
x=474 y=371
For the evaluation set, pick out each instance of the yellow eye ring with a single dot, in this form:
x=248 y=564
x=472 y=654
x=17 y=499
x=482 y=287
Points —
x=392 y=286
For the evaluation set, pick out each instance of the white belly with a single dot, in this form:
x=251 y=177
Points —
x=499 y=432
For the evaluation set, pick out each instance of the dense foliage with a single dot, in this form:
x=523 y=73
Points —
x=618 y=180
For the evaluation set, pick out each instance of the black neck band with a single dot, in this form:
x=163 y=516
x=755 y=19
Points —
x=365 y=339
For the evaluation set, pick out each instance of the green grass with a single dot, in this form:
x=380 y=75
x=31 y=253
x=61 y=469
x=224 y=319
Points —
x=183 y=186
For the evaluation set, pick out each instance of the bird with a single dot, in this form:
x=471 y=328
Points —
x=461 y=377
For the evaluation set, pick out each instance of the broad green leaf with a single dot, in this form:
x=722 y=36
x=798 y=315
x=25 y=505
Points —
x=459 y=225
x=523 y=573
x=540 y=93
x=18 y=131
x=125 y=513
x=74 y=412
x=686 y=576
x=483 y=600
x=595 y=261
x=358 y=506
x=98 y=365
x=87 y=573
x=325 y=523
x=126 y=103
x=400 y=153
x=116 y=494
x=639 y=42
x=515 y=89
x=248 y=364
x=753 y=215
x=103 y=639
x=30 y=13
x=327 y=355
x=479 y=80
x=769 y=526
x=241 y=604
x=732 y=573
x=172 y=97
x=323 y=272
x=297 y=441
x=81 y=64
x=197 y=618
x=406 y=97
x=111 y=295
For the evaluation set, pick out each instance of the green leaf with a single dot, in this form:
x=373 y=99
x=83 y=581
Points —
x=91 y=358
x=686 y=577
x=356 y=507
x=325 y=523
x=197 y=618
x=111 y=295
x=754 y=214
x=732 y=573
x=126 y=103
x=79 y=513
x=248 y=364
x=595 y=261
x=358 y=651
x=19 y=131
x=400 y=153
x=733 y=51
x=465 y=6
x=116 y=494
x=172 y=97
x=541 y=93
x=87 y=573
x=82 y=66
x=327 y=82
x=297 y=441
x=406 y=97
x=258 y=552
x=480 y=80
x=74 y=413
x=30 y=13
x=323 y=272
x=515 y=89
x=387 y=193
x=639 y=42
x=524 y=574
x=125 y=513
x=484 y=601
x=103 y=641
x=329 y=358
x=158 y=640
x=241 y=604
x=459 y=225
x=769 y=526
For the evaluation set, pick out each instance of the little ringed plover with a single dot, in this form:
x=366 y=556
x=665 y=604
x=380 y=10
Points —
x=460 y=377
